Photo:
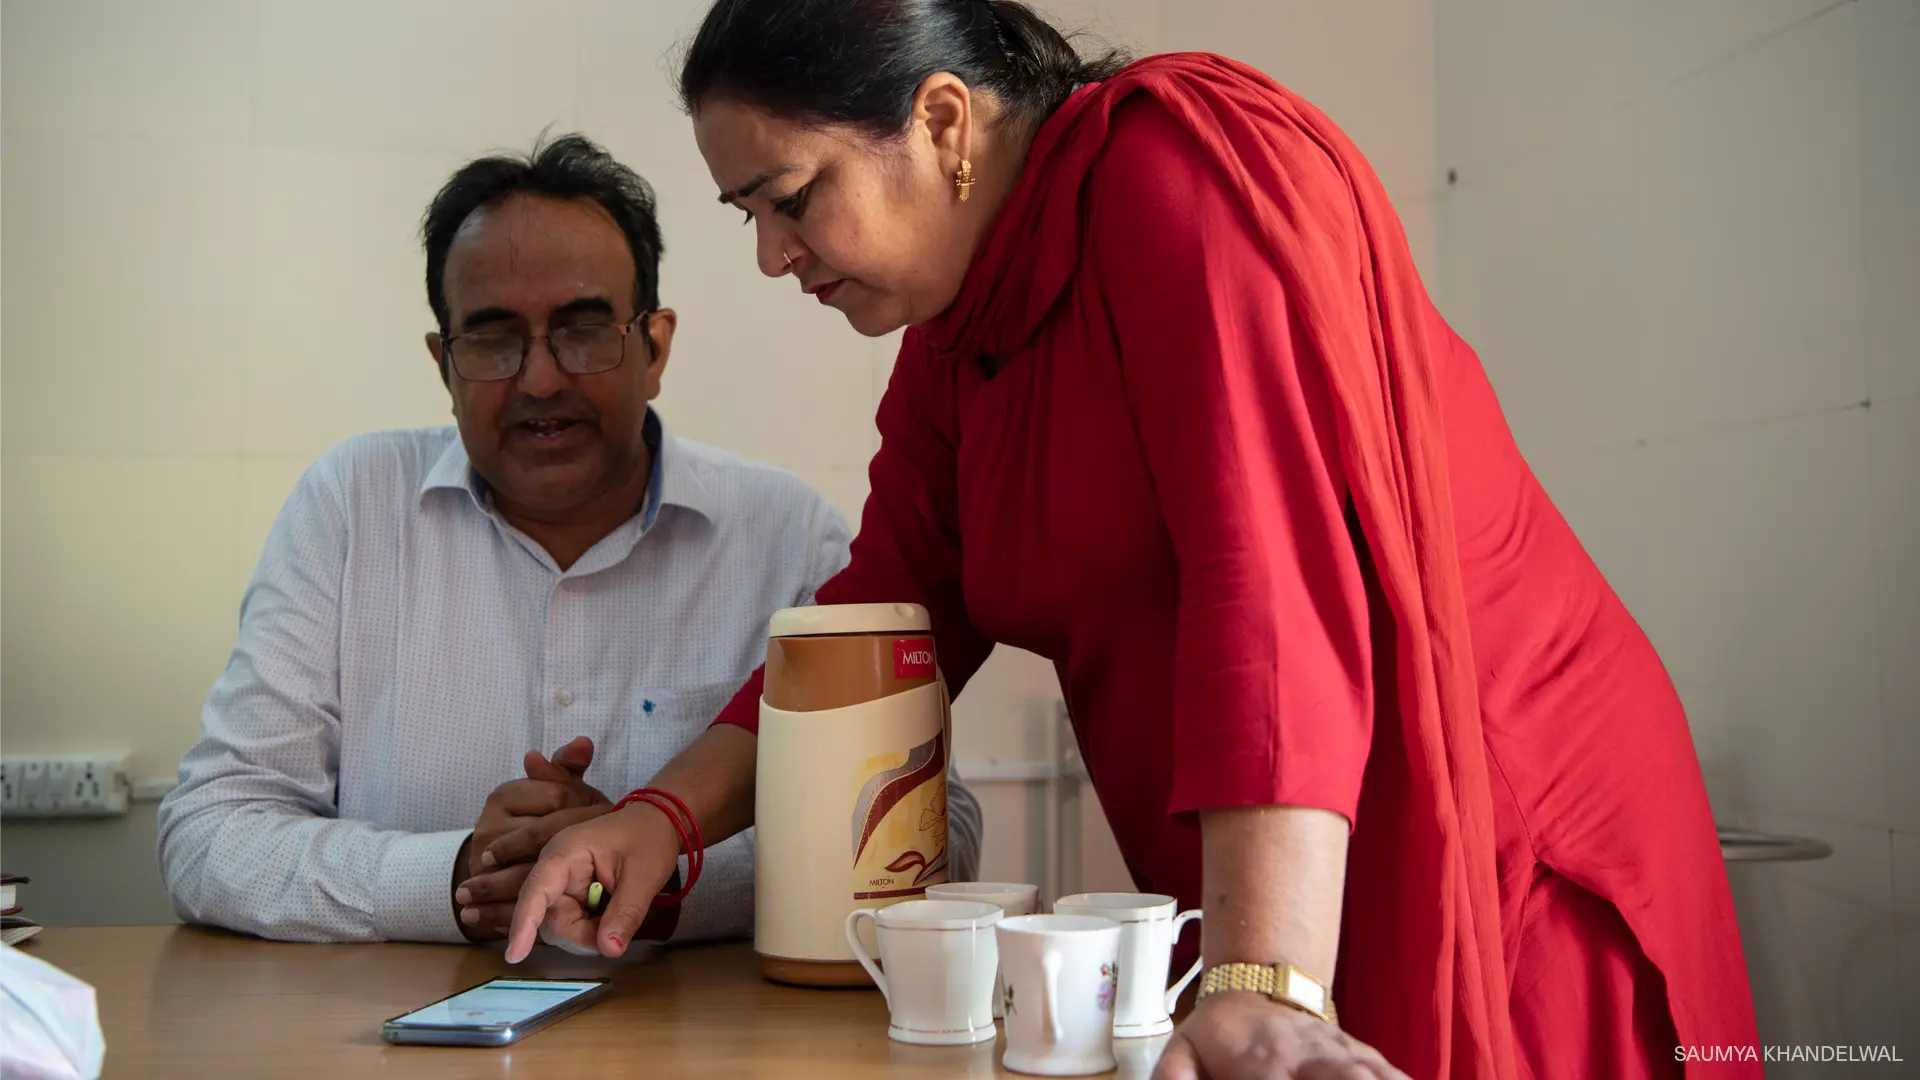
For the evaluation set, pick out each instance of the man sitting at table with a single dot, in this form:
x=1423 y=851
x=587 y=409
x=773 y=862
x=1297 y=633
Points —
x=430 y=607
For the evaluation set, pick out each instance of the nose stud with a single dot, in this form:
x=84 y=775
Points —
x=789 y=259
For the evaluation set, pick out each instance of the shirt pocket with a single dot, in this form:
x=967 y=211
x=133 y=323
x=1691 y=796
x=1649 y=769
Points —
x=652 y=731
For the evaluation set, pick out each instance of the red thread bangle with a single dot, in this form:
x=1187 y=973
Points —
x=690 y=839
x=686 y=842
x=699 y=847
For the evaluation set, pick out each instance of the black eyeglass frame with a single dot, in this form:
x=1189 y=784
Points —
x=640 y=322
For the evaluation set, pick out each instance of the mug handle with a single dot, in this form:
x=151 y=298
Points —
x=1173 y=992
x=860 y=951
x=1050 y=997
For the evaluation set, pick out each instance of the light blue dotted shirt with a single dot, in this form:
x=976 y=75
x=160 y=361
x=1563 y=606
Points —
x=402 y=647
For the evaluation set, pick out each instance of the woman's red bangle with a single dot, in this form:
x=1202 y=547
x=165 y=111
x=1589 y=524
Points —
x=682 y=820
x=686 y=843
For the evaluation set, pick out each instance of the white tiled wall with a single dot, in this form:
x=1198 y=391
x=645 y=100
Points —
x=1906 y=916
x=1889 y=162
x=1507 y=284
x=1683 y=236
x=1893 y=429
x=1522 y=71
x=327 y=352
x=212 y=274
x=1674 y=40
x=452 y=75
x=1821 y=946
x=1750 y=287
x=1368 y=64
x=1759 y=596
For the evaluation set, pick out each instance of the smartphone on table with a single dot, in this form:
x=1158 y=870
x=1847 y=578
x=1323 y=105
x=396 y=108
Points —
x=495 y=1013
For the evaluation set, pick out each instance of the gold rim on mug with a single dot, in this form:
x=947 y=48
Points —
x=943 y=1031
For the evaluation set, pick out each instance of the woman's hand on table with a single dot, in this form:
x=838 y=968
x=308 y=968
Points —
x=632 y=853
x=1245 y=1036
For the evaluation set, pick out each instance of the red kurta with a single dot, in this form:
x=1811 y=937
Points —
x=1255 y=590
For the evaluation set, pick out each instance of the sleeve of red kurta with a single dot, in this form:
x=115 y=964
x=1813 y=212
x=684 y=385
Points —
x=1272 y=692
x=908 y=547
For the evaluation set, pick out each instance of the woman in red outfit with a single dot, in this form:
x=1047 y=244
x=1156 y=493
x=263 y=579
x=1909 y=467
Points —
x=1174 y=410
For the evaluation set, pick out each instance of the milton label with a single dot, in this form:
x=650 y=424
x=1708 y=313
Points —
x=913 y=658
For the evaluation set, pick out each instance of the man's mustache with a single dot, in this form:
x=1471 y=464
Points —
x=566 y=407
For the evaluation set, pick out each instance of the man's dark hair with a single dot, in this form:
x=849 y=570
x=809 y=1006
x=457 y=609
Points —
x=569 y=167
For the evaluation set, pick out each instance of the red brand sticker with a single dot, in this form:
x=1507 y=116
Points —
x=913 y=658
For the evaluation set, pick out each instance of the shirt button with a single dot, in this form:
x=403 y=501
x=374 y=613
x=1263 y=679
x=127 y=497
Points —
x=562 y=698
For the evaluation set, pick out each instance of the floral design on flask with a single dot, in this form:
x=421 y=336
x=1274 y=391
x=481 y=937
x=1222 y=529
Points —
x=900 y=822
x=1109 y=978
x=1006 y=1000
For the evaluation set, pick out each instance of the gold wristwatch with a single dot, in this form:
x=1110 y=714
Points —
x=1284 y=983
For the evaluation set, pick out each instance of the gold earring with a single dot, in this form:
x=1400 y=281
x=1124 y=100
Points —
x=963 y=179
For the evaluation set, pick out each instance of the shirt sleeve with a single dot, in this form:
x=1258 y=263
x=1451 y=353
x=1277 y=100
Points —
x=963 y=831
x=828 y=550
x=1272 y=666
x=908 y=548
x=251 y=839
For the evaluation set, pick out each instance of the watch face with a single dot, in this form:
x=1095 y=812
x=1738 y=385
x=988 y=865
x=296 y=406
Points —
x=1302 y=988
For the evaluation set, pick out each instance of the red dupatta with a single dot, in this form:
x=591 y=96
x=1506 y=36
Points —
x=1444 y=1012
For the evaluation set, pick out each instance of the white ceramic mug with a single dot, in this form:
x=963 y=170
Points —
x=1012 y=900
x=1149 y=928
x=1061 y=974
x=942 y=955
x=1139 y=1057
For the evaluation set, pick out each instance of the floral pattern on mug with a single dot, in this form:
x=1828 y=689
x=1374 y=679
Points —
x=1006 y=1000
x=1103 y=997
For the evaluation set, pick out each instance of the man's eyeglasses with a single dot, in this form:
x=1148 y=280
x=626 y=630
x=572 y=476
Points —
x=580 y=349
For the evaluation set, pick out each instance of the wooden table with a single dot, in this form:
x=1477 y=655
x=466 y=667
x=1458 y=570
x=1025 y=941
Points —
x=199 y=1004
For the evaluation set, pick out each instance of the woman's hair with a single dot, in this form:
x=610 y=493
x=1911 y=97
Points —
x=859 y=61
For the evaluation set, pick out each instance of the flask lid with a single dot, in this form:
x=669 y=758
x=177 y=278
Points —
x=850 y=619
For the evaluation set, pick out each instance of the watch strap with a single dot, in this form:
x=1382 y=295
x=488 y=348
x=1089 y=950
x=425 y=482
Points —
x=1283 y=983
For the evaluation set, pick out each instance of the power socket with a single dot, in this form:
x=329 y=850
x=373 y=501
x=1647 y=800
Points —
x=33 y=786
x=64 y=785
x=56 y=788
x=92 y=783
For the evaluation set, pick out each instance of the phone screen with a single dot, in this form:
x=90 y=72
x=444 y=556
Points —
x=500 y=1003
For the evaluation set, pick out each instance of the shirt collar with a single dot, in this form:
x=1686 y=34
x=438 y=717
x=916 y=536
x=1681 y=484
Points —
x=671 y=482
x=675 y=481
x=453 y=470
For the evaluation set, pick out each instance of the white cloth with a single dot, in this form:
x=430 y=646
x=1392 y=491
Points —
x=402 y=647
x=49 y=1024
